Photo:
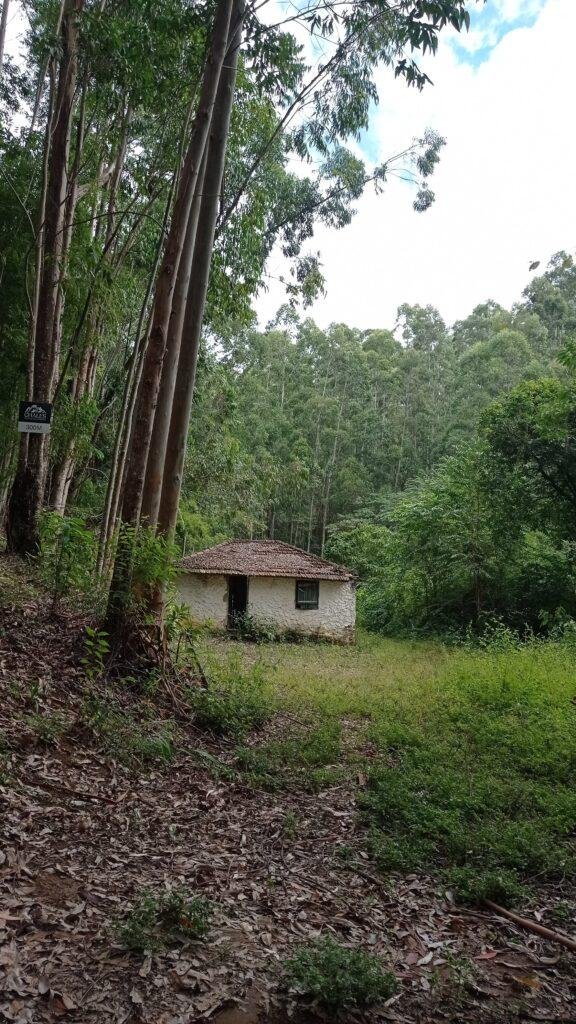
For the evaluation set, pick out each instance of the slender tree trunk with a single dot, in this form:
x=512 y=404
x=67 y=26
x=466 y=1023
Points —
x=115 y=479
x=28 y=489
x=3 y=24
x=150 y=380
x=146 y=399
x=159 y=439
x=194 y=315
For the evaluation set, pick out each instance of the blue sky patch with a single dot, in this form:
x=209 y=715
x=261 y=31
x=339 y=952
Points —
x=490 y=22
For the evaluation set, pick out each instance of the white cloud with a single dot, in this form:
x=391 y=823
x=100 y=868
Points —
x=504 y=187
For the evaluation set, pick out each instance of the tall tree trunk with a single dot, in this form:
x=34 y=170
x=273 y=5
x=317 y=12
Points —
x=115 y=479
x=159 y=439
x=150 y=380
x=3 y=24
x=28 y=488
x=149 y=385
x=211 y=191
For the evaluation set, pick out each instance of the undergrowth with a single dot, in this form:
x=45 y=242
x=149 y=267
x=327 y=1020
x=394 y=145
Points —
x=308 y=759
x=338 y=978
x=481 y=789
x=161 y=920
x=134 y=743
x=237 y=700
x=469 y=753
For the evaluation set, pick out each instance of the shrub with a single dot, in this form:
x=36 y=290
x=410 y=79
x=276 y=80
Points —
x=259 y=631
x=67 y=556
x=236 y=700
x=96 y=647
x=164 y=919
x=473 y=886
x=339 y=978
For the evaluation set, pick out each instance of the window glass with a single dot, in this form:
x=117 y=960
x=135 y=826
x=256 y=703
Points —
x=307 y=593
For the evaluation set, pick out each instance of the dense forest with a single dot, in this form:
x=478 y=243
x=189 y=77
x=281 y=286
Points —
x=140 y=198
x=436 y=461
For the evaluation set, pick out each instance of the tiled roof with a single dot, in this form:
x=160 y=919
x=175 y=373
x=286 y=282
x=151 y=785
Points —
x=263 y=558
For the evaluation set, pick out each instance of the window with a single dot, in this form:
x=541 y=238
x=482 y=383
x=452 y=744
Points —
x=307 y=593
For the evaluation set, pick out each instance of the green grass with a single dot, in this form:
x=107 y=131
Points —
x=134 y=743
x=469 y=755
x=306 y=758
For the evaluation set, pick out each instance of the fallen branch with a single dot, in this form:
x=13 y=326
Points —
x=59 y=787
x=532 y=926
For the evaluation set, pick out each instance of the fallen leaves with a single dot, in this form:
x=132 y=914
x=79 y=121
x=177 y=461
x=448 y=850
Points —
x=81 y=834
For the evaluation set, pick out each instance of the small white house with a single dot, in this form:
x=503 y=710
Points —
x=272 y=582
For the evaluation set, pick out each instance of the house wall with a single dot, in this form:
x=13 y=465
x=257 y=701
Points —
x=272 y=599
x=206 y=597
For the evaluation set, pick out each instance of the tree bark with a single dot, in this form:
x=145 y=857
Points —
x=150 y=379
x=3 y=24
x=28 y=488
x=118 y=612
x=215 y=162
x=159 y=439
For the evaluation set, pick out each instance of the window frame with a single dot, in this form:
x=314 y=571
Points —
x=307 y=606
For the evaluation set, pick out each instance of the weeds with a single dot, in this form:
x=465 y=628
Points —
x=96 y=648
x=306 y=759
x=471 y=754
x=338 y=978
x=161 y=920
x=67 y=556
x=483 y=792
x=123 y=738
x=236 y=701
x=48 y=727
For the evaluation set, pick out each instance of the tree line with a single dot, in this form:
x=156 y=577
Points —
x=437 y=461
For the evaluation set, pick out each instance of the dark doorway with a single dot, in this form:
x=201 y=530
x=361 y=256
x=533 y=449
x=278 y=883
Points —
x=237 y=598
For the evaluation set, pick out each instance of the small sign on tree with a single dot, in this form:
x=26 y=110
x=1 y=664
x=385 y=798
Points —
x=34 y=417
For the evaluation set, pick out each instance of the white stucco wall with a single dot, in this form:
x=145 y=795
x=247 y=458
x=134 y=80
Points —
x=273 y=599
x=206 y=597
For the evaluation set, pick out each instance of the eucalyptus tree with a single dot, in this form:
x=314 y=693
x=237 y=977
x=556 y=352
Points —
x=110 y=139
x=331 y=101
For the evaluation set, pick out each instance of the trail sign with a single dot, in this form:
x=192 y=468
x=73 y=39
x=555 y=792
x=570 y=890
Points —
x=34 y=417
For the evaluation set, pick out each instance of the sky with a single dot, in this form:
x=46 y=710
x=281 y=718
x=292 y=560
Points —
x=502 y=97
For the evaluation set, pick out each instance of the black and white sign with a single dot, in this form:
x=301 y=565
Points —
x=34 y=417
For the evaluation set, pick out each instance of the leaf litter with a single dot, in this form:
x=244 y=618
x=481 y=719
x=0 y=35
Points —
x=82 y=834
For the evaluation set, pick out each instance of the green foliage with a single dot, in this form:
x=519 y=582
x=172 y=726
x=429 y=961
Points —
x=96 y=647
x=259 y=631
x=236 y=701
x=163 y=920
x=122 y=737
x=481 y=789
x=67 y=556
x=48 y=727
x=338 y=978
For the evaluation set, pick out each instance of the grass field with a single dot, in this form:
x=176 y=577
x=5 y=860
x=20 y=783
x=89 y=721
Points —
x=468 y=756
